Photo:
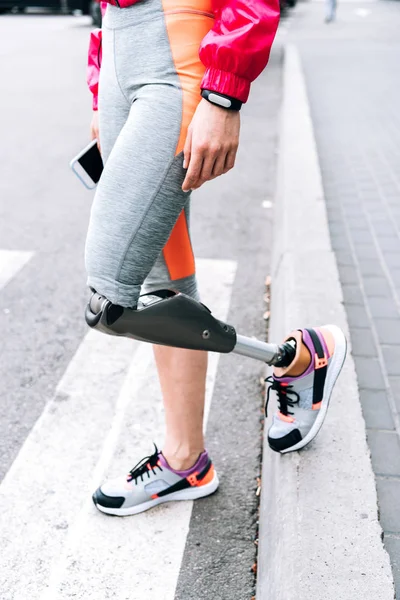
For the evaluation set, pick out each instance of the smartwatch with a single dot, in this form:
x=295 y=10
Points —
x=221 y=100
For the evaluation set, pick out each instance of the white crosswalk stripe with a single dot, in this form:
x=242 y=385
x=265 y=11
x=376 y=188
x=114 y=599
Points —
x=11 y=262
x=106 y=412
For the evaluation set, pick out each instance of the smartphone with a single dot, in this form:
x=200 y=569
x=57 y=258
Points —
x=88 y=165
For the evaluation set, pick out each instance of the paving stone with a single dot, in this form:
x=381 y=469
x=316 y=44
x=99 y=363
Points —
x=362 y=236
x=353 y=208
x=352 y=294
x=376 y=410
x=392 y=545
x=369 y=373
x=395 y=277
x=389 y=503
x=385 y=452
x=362 y=342
x=336 y=228
x=392 y=259
x=383 y=308
x=386 y=228
x=388 y=242
x=348 y=274
x=355 y=222
x=394 y=383
x=344 y=257
x=376 y=287
x=388 y=330
x=370 y=267
x=366 y=252
x=391 y=356
x=357 y=316
x=340 y=241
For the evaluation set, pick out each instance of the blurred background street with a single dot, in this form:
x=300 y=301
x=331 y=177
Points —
x=76 y=406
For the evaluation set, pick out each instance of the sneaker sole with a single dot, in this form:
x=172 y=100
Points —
x=335 y=368
x=192 y=493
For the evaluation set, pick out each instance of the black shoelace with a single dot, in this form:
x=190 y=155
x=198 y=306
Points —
x=283 y=401
x=144 y=466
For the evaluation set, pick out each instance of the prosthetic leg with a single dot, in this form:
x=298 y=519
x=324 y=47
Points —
x=173 y=319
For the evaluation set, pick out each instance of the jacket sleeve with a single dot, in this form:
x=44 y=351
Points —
x=94 y=60
x=237 y=48
x=94 y=63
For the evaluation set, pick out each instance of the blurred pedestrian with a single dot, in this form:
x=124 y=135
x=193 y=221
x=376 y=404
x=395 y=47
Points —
x=331 y=6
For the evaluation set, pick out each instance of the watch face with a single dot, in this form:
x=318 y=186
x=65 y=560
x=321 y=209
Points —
x=220 y=100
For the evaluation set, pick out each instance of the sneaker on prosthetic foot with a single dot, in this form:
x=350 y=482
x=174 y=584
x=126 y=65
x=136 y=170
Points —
x=304 y=388
x=153 y=482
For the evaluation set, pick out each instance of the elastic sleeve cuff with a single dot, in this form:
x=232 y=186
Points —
x=95 y=105
x=226 y=83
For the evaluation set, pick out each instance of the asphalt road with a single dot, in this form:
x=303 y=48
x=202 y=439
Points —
x=44 y=120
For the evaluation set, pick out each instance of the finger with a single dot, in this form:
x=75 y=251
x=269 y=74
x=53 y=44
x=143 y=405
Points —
x=194 y=170
x=206 y=171
x=230 y=160
x=187 y=149
x=98 y=145
x=219 y=165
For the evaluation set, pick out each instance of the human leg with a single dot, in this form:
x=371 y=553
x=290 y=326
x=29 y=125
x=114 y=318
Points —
x=182 y=376
x=182 y=372
x=330 y=10
x=141 y=191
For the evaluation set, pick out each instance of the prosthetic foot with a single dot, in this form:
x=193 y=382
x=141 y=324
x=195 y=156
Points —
x=173 y=319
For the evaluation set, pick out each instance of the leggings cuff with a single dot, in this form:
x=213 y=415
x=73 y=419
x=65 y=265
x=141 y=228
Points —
x=118 y=293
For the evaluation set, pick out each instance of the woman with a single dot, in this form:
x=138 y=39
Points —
x=174 y=74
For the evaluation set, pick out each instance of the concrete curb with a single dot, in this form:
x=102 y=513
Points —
x=320 y=537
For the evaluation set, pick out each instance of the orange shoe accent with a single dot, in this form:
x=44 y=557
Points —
x=192 y=479
x=208 y=478
x=329 y=339
x=154 y=496
x=178 y=253
x=285 y=418
x=317 y=406
x=320 y=362
x=194 y=482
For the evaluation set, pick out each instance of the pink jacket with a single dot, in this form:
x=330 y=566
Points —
x=234 y=52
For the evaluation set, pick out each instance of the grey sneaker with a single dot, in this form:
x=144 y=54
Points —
x=303 y=400
x=152 y=482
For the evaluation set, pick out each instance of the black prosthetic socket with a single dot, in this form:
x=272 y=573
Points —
x=163 y=317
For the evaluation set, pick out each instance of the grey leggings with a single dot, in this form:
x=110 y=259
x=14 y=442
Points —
x=148 y=91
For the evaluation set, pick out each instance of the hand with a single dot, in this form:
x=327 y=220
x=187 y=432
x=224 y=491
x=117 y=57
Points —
x=94 y=129
x=211 y=144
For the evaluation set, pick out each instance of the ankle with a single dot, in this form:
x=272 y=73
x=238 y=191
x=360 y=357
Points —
x=182 y=460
